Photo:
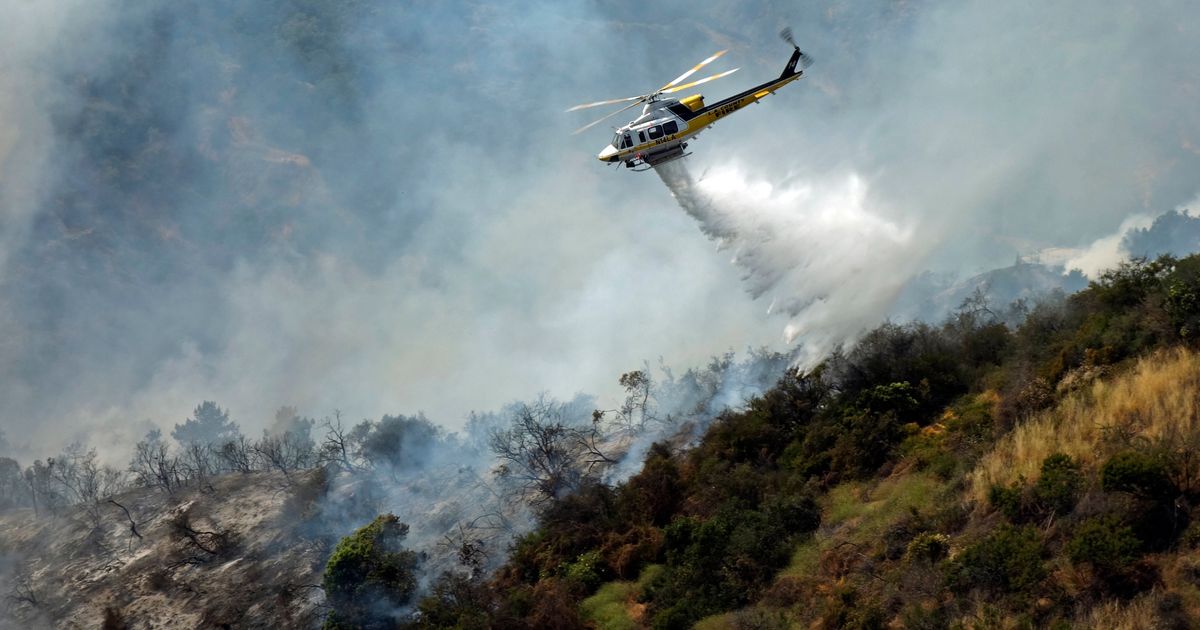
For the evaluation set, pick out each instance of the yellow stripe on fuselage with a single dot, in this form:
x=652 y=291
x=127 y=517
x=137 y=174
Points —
x=699 y=123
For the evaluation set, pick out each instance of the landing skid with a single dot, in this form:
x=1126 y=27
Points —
x=658 y=158
x=669 y=159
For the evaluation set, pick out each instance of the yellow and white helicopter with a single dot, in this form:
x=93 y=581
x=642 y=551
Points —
x=659 y=134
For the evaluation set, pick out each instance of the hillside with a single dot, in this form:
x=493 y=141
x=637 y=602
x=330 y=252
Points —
x=967 y=475
x=970 y=474
x=232 y=555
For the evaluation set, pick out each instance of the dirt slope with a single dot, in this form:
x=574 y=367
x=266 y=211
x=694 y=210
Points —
x=232 y=554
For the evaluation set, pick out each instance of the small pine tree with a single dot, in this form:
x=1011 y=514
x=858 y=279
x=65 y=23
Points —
x=209 y=424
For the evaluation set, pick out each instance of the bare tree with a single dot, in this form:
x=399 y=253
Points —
x=338 y=447
x=539 y=451
x=636 y=412
x=84 y=481
x=197 y=464
x=154 y=466
x=468 y=546
x=593 y=442
x=237 y=454
x=286 y=453
x=22 y=592
x=12 y=484
x=31 y=485
x=44 y=490
x=976 y=308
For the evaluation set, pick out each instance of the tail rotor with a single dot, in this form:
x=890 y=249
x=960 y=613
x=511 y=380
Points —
x=786 y=35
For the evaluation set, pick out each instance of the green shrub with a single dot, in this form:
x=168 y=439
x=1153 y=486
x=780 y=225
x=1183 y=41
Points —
x=1008 y=561
x=1105 y=544
x=1143 y=475
x=1182 y=300
x=1058 y=488
x=369 y=575
x=1008 y=500
x=457 y=601
x=588 y=570
x=794 y=514
x=680 y=615
x=928 y=546
x=723 y=562
x=929 y=452
x=848 y=609
x=652 y=496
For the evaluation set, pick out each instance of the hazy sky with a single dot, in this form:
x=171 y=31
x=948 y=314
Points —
x=380 y=208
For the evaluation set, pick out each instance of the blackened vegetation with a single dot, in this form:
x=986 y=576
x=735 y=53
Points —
x=199 y=544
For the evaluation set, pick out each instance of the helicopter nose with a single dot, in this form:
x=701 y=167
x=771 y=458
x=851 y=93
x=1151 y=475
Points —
x=609 y=154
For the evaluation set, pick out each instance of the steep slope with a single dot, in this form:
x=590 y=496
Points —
x=230 y=555
x=889 y=550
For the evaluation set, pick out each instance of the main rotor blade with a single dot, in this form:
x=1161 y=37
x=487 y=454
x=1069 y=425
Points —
x=704 y=80
x=596 y=122
x=694 y=69
x=610 y=102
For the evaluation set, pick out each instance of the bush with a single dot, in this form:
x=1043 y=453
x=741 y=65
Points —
x=1105 y=544
x=1008 y=561
x=724 y=562
x=794 y=515
x=846 y=608
x=1155 y=518
x=928 y=546
x=1112 y=549
x=400 y=442
x=369 y=575
x=588 y=570
x=1057 y=490
x=626 y=553
x=652 y=496
x=1008 y=500
x=1143 y=475
x=457 y=601
x=554 y=608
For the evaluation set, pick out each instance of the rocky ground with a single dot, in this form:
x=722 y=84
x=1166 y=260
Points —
x=234 y=553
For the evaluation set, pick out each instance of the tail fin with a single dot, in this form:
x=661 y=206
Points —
x=791 y=65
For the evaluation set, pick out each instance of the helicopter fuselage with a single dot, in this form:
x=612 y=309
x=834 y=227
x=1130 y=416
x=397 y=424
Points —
x=658 y=135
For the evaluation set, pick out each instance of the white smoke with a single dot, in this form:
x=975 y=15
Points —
x=822 y=252
x=1107 y=252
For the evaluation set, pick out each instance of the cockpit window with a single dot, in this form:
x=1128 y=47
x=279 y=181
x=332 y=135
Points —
x=616 y=141
x=628 y=142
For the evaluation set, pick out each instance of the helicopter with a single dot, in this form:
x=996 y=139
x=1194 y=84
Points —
x=660 y=134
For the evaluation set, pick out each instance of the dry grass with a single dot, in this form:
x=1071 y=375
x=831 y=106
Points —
x=1142 y=613
x=1160 y=394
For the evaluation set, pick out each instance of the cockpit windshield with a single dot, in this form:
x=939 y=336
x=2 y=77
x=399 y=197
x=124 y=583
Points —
x=616 y=141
